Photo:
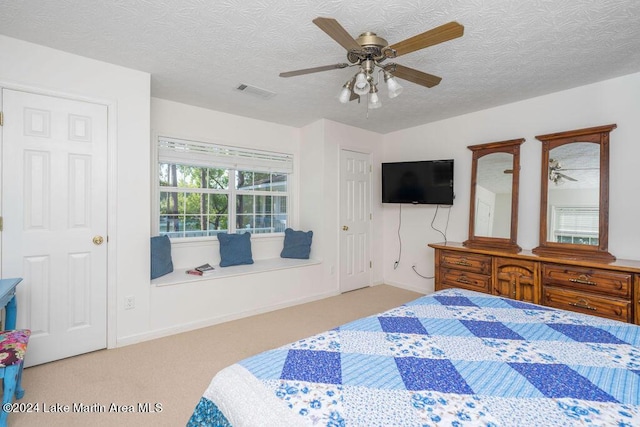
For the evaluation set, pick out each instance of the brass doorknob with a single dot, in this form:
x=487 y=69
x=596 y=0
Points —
x=345 y=228
x=97 y=240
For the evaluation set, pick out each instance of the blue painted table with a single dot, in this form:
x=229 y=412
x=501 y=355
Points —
x=8 y=301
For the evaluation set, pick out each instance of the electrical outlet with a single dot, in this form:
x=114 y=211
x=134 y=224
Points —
x=129 y=302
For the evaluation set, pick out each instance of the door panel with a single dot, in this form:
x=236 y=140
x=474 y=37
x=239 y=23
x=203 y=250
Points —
x=355 y=217
x=54 y=201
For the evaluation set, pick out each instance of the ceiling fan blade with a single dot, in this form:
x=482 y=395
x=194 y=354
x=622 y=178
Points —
x=337 y=32
x=432 y=37
x=313 y=70
x=561 y=175
x=413 y=75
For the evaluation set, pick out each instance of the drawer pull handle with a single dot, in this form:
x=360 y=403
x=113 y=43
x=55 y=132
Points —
x=583 y=279
x=463 y=262
x=582 y=303
x=463 y=279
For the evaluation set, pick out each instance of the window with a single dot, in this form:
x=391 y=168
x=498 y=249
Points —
x=205 y=189
x=576 y=225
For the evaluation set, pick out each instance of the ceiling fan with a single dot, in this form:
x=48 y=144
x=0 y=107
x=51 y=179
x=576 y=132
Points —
x=369 y=51
x=558 y=177
x=555 y=175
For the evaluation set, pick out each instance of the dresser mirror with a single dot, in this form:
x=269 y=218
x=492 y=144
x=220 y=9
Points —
x=493 y=214
x=574 y=204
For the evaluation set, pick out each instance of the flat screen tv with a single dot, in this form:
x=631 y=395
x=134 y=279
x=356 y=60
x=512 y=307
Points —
x=427 y=182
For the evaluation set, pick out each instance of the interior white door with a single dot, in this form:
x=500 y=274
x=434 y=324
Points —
x=355 y=220
x=54 y=202
x=484 y=222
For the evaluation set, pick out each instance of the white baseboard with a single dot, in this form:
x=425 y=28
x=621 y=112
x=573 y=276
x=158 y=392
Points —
x=421 y=290
x=186 y=327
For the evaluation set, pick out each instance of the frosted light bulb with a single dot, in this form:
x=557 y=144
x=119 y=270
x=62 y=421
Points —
x=345 y=94
x=393 y=87
x=361 y=86
x=374 y=101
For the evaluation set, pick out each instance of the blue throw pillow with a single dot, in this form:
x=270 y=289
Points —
x=161 y=262
x=297 y=244
x=235 y=249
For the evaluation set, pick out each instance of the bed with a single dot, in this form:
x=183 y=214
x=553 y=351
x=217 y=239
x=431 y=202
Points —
x=451 y=358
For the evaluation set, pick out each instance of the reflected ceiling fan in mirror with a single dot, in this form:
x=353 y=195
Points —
x=369 y=51
x=555 y=175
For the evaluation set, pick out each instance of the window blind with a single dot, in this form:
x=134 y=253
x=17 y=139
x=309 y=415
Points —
x=203 y=154
x=576 y=220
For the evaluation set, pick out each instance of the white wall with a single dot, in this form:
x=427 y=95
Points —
x=313 y=191
x=176 y=120
x=612 y=101
x=190 y=305
x=340 y=137
x=316 y=150
x=573 y=197
x=320 y=189
x=32 y=67
x=502 y=215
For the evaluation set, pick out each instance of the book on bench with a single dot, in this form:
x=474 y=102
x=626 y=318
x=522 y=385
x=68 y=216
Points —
x=202 y=270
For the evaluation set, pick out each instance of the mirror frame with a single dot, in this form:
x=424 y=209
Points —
x=509 y=244
x=598 y=135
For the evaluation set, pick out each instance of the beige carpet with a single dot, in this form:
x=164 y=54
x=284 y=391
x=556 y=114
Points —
x=174 y=371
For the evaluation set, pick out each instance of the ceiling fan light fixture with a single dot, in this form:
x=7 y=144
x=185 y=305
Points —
x=345 y=93
x=393 y=87
x=374 y=99
x=362 y=86
x=344 y=96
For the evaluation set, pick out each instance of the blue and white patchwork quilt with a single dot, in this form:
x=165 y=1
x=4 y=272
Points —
x=452 y=358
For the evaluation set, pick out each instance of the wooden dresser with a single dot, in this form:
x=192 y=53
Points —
x=610 y=290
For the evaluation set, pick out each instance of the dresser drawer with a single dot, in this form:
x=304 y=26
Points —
x=463 y=279
x=612 y=283
x=474 y=263
x=587 y=303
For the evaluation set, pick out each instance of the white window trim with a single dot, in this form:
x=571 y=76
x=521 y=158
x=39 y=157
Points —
x=276 y=166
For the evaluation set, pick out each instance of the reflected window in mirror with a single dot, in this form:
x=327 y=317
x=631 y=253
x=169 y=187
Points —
x=493 y=215
x=574 y=203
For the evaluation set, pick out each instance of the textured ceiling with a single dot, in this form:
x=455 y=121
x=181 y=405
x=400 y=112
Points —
x=580 y=161
x=199 y=51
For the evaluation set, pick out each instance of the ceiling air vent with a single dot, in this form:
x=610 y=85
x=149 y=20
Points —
x=255 y=91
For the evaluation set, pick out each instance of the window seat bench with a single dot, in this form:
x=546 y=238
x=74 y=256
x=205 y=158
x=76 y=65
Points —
x=180 y=276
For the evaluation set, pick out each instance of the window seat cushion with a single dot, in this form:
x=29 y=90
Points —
x=179 y=275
